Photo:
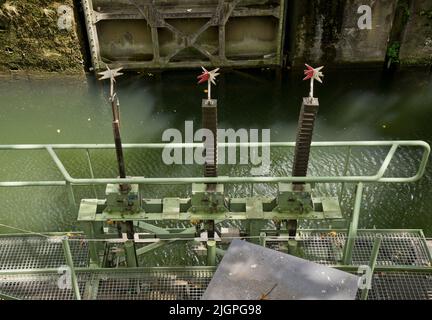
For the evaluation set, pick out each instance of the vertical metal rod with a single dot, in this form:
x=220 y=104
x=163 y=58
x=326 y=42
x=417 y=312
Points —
x=352 y=232
x=91 y=171
x=281 y=32
x=124 y=187
x=211 y=253
x=155 y=42
x=292 y=247
x=426 y=245
x=372 y=264
x=69 y=262
x=71 y=194
x=94 y=256
x=117 y=138
x=222 y=55
x=305 y=127
x=209 y=122
x=90 y=231
x=263 y=239
x=347 y=161
x=111 y=75
x=131 y=257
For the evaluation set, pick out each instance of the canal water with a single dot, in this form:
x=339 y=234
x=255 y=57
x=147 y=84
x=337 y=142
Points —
x=359 y=104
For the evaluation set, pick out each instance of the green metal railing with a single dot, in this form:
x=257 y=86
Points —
x=68 y=180
x=351 y=234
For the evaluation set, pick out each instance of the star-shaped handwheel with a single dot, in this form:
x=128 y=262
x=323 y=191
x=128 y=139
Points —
x=313 y=73
x=208 y=76
x=110 y=73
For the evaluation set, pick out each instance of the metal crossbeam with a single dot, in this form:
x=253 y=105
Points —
x=158 y=17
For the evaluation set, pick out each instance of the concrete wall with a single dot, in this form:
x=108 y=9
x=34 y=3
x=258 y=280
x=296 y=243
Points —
x=326 y=31
x=317 y=31
x=416 y=45
x=30 y=39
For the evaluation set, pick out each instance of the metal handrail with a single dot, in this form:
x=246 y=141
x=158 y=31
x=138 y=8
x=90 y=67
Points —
x=69 y=180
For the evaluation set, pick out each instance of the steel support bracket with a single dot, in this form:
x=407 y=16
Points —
x=118 y=201
x=290 y=200
x=205 y=202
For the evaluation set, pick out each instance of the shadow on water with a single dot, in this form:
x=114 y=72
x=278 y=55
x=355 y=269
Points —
x=355 y=104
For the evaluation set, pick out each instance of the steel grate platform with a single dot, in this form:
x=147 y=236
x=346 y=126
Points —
x=186 y=284
x=397 y=248
x=154 y=285
x=182 y=285
x=20 y=254
x=401 y=286
x=37 y=252
x=42 y=286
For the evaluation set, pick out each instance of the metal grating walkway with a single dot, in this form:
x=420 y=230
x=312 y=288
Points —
x=397 y=248
x=23 y=258
x=153 y=285
x=185 y=284
x=401 y=286
x=36 y=252
x=43 y=286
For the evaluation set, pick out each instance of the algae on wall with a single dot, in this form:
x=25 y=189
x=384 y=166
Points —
x=327 y=32
x=31 y=40
x=318 y=30
x=416 y=46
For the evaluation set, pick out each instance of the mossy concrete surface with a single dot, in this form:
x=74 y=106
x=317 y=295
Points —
x=31 y=40
x=327 y=32
x=416 y=46
x=319 y=31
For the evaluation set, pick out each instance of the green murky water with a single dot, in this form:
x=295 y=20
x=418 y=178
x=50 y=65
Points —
x=354 y=105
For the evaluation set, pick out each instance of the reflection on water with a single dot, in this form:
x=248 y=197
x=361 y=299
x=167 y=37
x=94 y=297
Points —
x=354 y=105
